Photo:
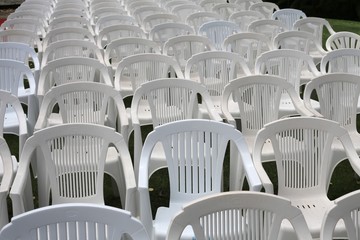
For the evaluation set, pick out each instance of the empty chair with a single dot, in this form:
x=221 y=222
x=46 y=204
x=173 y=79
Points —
x=217 y=31
x=142 y=12
x=81 y=220
x=106 y=11
x=188 y=145
x=342 y=40
x=73 y=12
x=131 y=7
x=113 y=32
x=70 y=167
x=134 y=70
x=288 y=16
x=315 y=25
x=346 y=208
x=7 y=174
x=249 y=45
x=255 y=101
x=118 y=49
x=71 y=69
x=303 y=146
x=245 y=4
x=105 y=4
x=226 y=9
x=67 y=34
x=66 y=22
x=209 y=4
x=199 y=18
x=162 y=32
x=265 y=8
x=71 y=48
x=29 y=14
x=22 y=36
x=215 y=69
x=244 y=18
x=183 y=11
x=268 y=27
x=289 y=64
x=161 y=101
x=154 y=19
x=252 y=215
x=183 y=47
x=302 y=41
x=170 y=5
x=341 y=61
x=30 y=24
x=115 y=19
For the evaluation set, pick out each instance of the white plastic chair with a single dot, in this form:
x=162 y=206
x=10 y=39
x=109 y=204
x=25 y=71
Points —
x=303 y=147
x=106 y=11
x=107 y=21
x=209 y=4
x=41 y=10
x=288 y=16
x=142 y=12
x=266 y=8
x=134 y=70
x=29 y=14
x=194 y=151
x=164 y=31
x=22 y=36
x=94 y=5
x=245 y=4
x=74 y=221
x=29 y=24
x=120 y=48
x=249 y=45
x=338 y=95
x=346 y=208
x=199 y=18
x=158 y=18
x=7 y=172
x=67 y=22
x=67 y=34
x=226 y=9
x=246 y=215
x=170 y=5
x=71 y=69
x=315 y=25
x=215 y=69
x=71 y=48
x=302 y=41
x=131 y=7
x=291 y=65
x=70 y=167
x=114 y=32
x=217 y=31
x=341 y=60
x=70 y=12
x=340 y=40
x=161 y=101
x=183 y=47
x=183 y=11
x=257 y=99
x=244 y=18
x=268 y=27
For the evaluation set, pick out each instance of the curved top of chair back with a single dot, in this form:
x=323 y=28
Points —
x=288 y=16
x=266 y=8
x=341 y=60
x=20 y=52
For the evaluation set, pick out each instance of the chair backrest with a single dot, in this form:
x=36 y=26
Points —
x=20 y=52
x=103 y=4
x=249 y=45
x=162 y=32
x=71 y=48
x=247 y=212
x=67 y=34
x=7 y=174
x=22 y=36
x=257 y=111
x=170 y=5
x=215 y=69
x=346 y=208
x=268 y=27
x=302 y=147
x=29 y=24
x=87 y=102
x=74 y=221
x=158 y=18
x=192 y=144
x=209 y=4
x=288 y=16
x=226 y=9
x=183 y=11
x=114 y=19
x=217 y=31
x=338 y=95
x=29 y=14
x=286 y=63
x=66 y=22
x=118 y=31
x=265 y=8
x=145 y=67
x=67 y=12
x=118 y=49
x=131 y=7
x=343 y=40
x=244 y=18
x=341 y=61
x=315 y=25
x=142 y=12
x=106 y=11
x=183 y=47
x=199 y=18
x=71 y=69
